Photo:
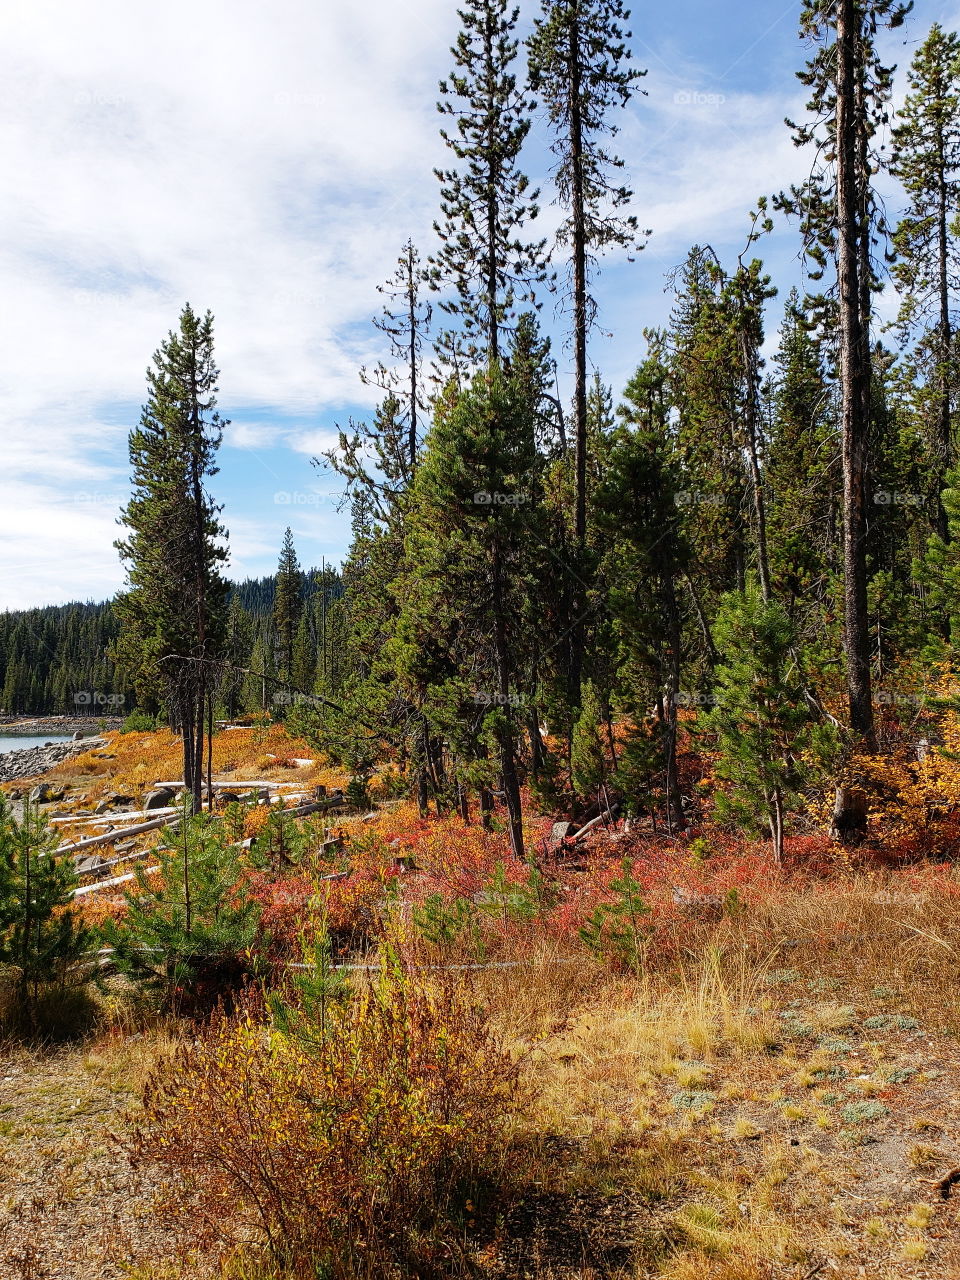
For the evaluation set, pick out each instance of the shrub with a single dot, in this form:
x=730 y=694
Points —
x=617 y=928
x=42 y=939
x=353 y=1149
x=189 y=928
x=139 y=722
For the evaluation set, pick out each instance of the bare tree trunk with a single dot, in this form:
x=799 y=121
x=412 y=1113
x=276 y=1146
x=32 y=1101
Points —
x=750 y=363
x=852 y=240
x=945 y=441
x=210 y=751
x=776 y=825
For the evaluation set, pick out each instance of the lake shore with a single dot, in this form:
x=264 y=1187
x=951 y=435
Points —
x=38 y=726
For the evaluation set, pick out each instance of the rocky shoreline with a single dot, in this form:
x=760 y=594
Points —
x=89 y=726
x=33 y=760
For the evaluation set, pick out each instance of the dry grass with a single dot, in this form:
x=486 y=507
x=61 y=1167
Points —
x=775 y=1093
x=132 y=762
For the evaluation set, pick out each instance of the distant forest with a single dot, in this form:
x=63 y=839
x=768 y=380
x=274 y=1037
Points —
x=61 y=659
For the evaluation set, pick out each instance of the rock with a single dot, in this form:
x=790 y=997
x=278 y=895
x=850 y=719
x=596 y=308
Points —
x=45 y=793
x=161 y=798
x=121 y=799
x=561 y=831
x=103 y=807
x=228 y=797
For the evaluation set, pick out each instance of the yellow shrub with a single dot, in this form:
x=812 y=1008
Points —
x=359 y=1142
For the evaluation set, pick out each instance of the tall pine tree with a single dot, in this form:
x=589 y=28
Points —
x=174 y=611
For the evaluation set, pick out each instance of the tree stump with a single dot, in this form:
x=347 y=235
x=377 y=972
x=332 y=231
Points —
x=849 y=824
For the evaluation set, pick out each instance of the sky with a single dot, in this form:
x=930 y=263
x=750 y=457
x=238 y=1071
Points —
x=267 y=162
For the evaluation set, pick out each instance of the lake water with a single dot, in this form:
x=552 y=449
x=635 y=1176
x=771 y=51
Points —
x=21 y=741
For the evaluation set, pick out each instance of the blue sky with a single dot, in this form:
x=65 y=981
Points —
x=267 y=162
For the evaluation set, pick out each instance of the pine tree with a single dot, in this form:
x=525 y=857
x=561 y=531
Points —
x=41 y=936
x=485 y=199
x=647 y=558
x=760 y=716
x=287 y=606
x=391 y=442
x=579 y=59
x=173 y=612
x=469 y=551
x=942 y=559
x=405 y=320
x=188 y=931
x=926 y=159
x=841 y=221
x=803 y=474
x=238 y=641
x=589 y=767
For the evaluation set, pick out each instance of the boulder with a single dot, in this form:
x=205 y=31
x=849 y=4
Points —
x=561 y=831
x=45 y=793
x=161 y=798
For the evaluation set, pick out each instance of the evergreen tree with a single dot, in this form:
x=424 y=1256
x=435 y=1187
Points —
x=392 y=440
x=803 y=474
x=579 y=59
x=287 y=606
x=485 y=199
x=471 y=533
x=647 y=559
x=174 y=610
x=589 y=767
x=765 y=736
x=926 y=159
x=238 y=642
x=41 y=936
x=188 y=930
x=841 y=222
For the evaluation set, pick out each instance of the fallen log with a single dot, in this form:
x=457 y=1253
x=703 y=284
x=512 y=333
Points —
x=111 y=837
x=601 y=817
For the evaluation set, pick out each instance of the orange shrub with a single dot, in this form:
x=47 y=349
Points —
x=350 y=1151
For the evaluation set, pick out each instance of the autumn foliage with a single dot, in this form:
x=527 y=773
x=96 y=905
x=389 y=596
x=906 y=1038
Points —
x=355 y=1145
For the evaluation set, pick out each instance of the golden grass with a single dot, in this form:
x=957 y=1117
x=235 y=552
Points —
x=132 y=762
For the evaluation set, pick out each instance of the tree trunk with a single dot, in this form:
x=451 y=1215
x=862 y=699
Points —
x=674 y=805
x=750 y=364
x=852 y=238
x=945 y=344
x=776 y=825
x=849 y=824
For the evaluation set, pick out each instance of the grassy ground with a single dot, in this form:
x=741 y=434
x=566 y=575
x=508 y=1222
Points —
x=711 y=1130
x=773 y=1098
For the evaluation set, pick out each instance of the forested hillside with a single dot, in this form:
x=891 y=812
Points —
x=61 y=660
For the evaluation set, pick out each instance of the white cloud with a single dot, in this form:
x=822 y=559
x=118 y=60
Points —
x=266 y=161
